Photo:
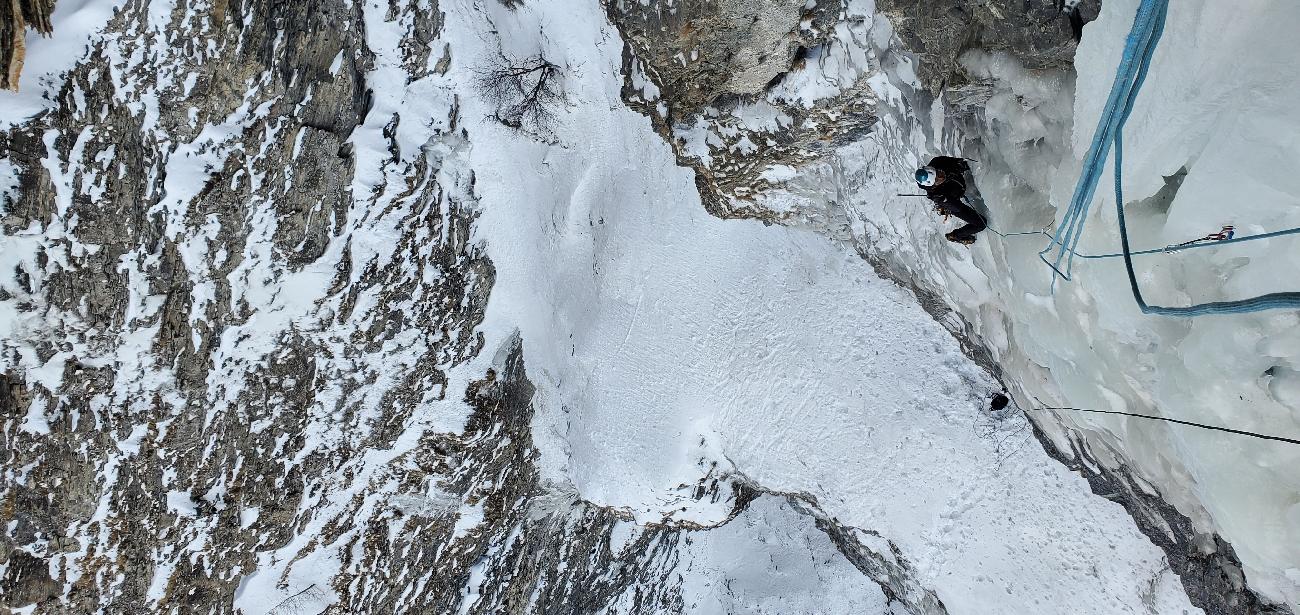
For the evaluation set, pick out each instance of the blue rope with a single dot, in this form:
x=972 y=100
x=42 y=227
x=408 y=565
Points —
x=1165 y=250
x=1148 y=27
x=1122 y=93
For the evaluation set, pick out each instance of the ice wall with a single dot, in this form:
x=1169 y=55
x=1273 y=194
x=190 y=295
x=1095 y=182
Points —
x=1213 y=141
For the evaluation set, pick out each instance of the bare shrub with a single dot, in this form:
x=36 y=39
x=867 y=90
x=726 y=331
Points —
x=525 y=93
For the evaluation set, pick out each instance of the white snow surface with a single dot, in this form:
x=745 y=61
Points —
x=49 y=57
x=1220 y=101
x=663 y=340
x=772 y=560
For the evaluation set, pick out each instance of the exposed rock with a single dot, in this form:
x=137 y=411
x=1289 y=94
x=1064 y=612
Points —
x=15 y=17
x=701 y=50
x=702 y=70
x=1041 y=33
x=27 y=579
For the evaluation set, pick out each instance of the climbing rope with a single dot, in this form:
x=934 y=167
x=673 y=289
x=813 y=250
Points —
x=1140 y=46
x=1252 y=434
x=1148 y=27
x=1177 y=247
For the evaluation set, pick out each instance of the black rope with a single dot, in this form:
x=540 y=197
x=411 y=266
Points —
x=1161 y=418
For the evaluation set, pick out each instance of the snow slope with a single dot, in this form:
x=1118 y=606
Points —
x=770 y=560
x=1220 y=102
x=664 y=341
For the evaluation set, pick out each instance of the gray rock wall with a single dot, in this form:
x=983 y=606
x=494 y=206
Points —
x=703 y=50
x=707 y=59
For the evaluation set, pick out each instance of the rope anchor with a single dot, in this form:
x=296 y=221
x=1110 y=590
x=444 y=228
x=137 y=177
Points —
x=1224 y=234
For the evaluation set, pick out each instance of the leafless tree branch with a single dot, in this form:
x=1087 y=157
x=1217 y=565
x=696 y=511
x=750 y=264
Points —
x=525 y=93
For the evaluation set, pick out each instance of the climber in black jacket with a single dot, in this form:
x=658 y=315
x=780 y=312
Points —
x=944 y=182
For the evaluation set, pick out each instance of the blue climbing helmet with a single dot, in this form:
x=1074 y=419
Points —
x=927 y=176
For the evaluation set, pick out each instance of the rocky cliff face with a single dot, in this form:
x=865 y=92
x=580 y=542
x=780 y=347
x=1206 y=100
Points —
x=152 y=198
x=1042 y=35
x=690 y=68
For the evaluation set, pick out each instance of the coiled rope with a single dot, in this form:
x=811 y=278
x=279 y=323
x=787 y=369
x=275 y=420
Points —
x=1148 y=25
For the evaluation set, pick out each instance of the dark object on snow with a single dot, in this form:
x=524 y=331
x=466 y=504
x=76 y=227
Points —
x=944 y=182
x=999 y=402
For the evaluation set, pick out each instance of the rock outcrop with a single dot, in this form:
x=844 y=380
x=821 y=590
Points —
x=16 y=16
x=1041 y=35
x=705 y=73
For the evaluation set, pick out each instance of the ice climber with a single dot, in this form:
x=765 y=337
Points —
x=944 y=183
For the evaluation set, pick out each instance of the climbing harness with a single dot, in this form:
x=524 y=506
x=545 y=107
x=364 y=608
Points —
x=1148 y=27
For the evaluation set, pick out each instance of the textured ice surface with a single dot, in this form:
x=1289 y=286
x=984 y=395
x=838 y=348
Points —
x=1219 y=103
